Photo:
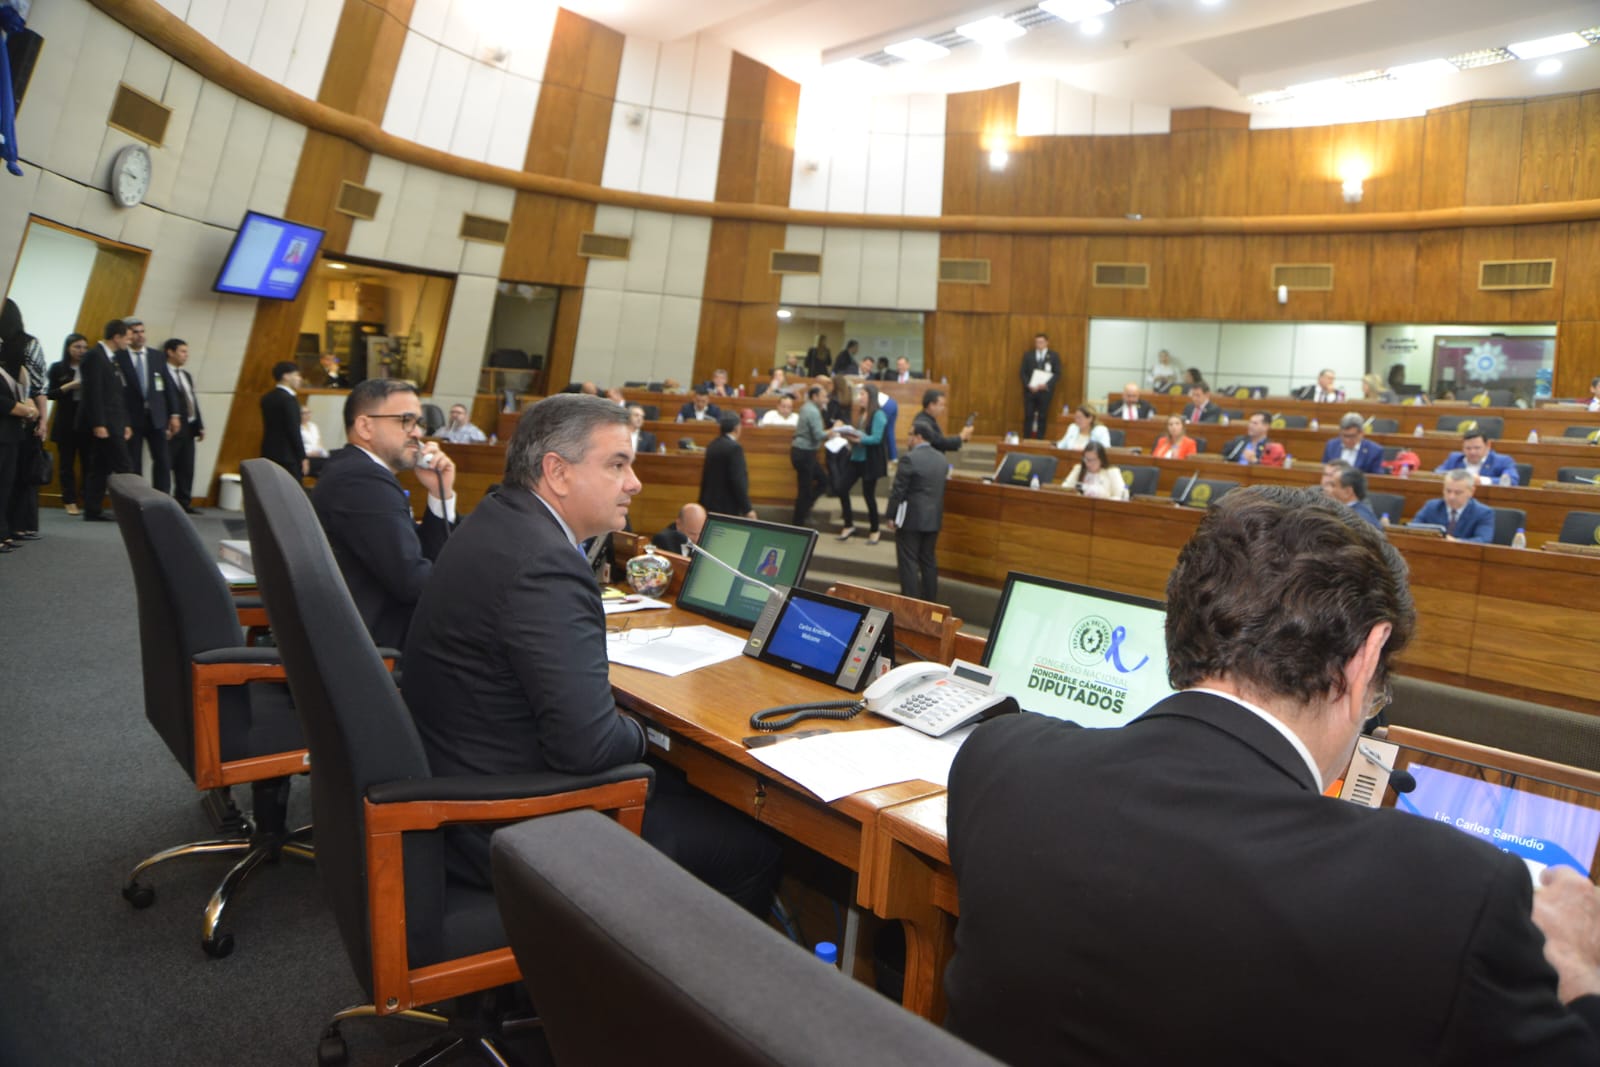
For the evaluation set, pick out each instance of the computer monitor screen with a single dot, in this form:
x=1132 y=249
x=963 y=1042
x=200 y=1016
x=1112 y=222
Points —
x=767 y=551
x=1020 y=468
x=270 y=258
x=1094 y=657
x=1544 y=823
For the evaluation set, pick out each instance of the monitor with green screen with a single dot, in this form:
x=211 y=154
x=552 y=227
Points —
x=767 y=551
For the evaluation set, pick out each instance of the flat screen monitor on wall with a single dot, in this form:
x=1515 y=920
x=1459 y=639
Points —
x=270 y=258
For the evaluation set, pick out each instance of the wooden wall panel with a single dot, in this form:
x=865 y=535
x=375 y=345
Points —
x=1494 y=140
x=1444 y=157
x=1550 y=149
x=1586 y=173
x=1030 y=275
x=1438 y=277
x=1227 y=189
x=1069 y=275
x=1477 y=305
x=1543 y=242
x=1396 y=181
x=1313 y=178
x=1271 y=171
x=1577 y=357
x=1186 y=173
x=1182 y=277
x=1391 y=278
x=951 y=296
x=360 y=86
x=114 y=282
x=1351 y=256
x=1354 y=142
x=1581 y=294
x=564 y=338
x=1224 y=277
x=1112 y=176
x=973 y=351
x=760 y=284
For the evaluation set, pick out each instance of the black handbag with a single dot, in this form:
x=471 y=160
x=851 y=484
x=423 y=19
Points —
x=41 y=468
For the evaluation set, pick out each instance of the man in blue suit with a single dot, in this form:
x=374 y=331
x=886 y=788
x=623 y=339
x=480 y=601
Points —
x=1463 y=518
x=1483 y=462
x=1353 y=447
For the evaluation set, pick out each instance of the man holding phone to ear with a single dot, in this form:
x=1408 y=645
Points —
x=926 y=424
x=386 y=557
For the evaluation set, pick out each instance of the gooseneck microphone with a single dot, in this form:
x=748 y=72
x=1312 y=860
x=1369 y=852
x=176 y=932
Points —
x=1400 y=781
x=731 y=569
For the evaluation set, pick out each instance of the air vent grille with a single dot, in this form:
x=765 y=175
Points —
x=1516 y=273
x=482 y=228
x=1122 y=275
x=604 y=246
x=786 y=262
x=964 y=271
x=139 y=116
x=358 y=201
x=1317 y=277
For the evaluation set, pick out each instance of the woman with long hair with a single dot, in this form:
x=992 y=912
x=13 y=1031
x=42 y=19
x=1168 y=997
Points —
x=22 y=387
x=1176 y=442
x=1085 y=428
x=869 y=460
x=1096 y=476
x=65 y=385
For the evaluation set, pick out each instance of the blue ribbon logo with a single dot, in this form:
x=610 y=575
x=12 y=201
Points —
x=1114 y=653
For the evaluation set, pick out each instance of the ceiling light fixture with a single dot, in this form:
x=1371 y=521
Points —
x=1076 y=10
x=992 y=30
x=1548 y=67
x=916 y=50
x=1426 y=70
x=785 y=313
x=1092 y=27
x=1209 y=3
x=1547 y=46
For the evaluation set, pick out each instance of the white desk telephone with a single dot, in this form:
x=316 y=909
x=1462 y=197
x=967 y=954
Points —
x=932 y=698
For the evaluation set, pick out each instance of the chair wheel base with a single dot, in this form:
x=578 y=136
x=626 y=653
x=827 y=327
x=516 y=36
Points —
x=219 y=946
x=331 y=1050
x=140 y=896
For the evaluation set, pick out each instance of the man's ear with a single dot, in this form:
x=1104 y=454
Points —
x=1362 y=668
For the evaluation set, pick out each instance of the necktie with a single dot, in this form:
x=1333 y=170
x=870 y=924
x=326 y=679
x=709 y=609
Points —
x=188 y=399
x=1451 y=528
x=138 y=369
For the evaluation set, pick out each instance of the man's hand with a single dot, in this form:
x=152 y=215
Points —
x=1567 y=910
x=199 y=435
x=966 y=433
x=888 y=525
x=174 y=424
x=101 y=432
x=305 y=467
x=127 y=433
x=439 y=477
x=751 y=514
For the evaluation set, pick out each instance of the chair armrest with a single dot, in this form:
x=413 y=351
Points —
x=241 y=656
x=428 y=803
x=216 y=669
x=501 y=786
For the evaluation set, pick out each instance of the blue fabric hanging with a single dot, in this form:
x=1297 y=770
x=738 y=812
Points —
x=10 y=22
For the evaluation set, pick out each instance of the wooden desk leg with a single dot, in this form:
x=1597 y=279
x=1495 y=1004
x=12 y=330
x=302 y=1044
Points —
x=907 y=884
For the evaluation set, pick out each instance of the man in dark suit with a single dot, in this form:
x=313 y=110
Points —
x=902 y=372
x=1036 y=398
x=679 y=533
x=724 y=478
x=916 y=512
x=280 y=422
x=927 y=423
x=526 y=687
x=1478 y=458
x=103 y=416
x=1132 y=407
x=1251 y=446
x=146 y=394
x=1353 y=447
x=191 y=426
x=699 y=409
x=1201 y=408
x=1349 y=487
x=1131 y=896
x=385 y=556
x=1463 y=518
x=642 y=439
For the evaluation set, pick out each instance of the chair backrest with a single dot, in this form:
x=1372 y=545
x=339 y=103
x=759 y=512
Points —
x=184 y=609
x=356 y=724
x=1376 y=425
x=1243 y=392
x=928 y=629
x=1569 y=737
x=1141 y=481
x=432 y=418
x=1118 y=437
x=651 y=411
x=1199 y=443
x=633 y=385
x=1290 y=422
x=1580 y=528
x=1203 y=493
x=1524 y=472
x=509 y=358
x=1491 y=426
x=1507 y=521
x=576 y=886
x=1588 y=432
x=1390 y=452
x=1390 y=504
x=1233 y=414
x=1589 y=475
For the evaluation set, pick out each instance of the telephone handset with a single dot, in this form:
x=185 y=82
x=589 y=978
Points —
x=932 y=698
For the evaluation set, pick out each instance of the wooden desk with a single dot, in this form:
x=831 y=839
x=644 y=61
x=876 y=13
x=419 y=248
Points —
x=914 y=883
x=707 y=714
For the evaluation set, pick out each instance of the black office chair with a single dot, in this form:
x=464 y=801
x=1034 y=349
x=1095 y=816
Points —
x=1233 y=414
x=1141 y=481
x=1244 y=392
x=1585 y=475
x=651 y=411
x=1507 y=521
x=1376 y=425
x=1580 y=528
x=1290 y=422
x=1524 y=473
x=1491 y=426
x=1118 y=437
x=1390 y=504
x=200 y=695
x=633 y=385
x=627 y=954
x=655 y=387
x=1588 y=433
x=433 y=419
x=1199 y=443
x=414 y=936
x=1194 y=492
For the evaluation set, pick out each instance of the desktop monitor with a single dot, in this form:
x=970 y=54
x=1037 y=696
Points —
x=1019 y=468
x=767 y=551
x=269 y=258
x=1087 y=655
x=1492 y=796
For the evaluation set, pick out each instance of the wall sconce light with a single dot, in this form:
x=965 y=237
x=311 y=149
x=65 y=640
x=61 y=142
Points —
x=1352 y=190
x=998 y=157
x=1351 y=175
x=1283 y=294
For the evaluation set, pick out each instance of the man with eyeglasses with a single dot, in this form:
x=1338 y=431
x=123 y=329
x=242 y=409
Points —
x=1190 y=887
x=386 y=557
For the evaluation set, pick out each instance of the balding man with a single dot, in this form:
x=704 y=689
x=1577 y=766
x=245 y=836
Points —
x=1132 y=407
x=678 y=535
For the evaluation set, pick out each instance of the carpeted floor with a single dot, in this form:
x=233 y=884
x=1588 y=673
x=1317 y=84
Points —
x=87 y=790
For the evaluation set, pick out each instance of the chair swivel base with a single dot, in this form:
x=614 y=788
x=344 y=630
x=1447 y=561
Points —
x=476 y=1035
x=253 y=850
